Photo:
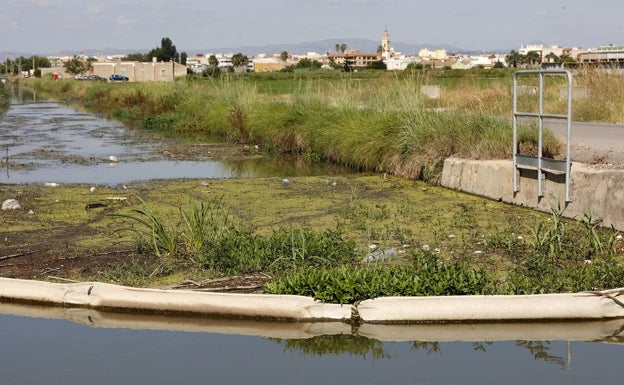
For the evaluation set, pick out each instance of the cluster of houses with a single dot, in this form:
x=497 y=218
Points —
x=394 y=61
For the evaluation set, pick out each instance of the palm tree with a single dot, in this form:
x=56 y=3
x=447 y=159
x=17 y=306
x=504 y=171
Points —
x=552 y=58
x=239 y=61
x=533 y=58
x=213 y=61
x=337 y=47
x=343 y=47
x=513 y=58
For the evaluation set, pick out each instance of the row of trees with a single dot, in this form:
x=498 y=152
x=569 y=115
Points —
x=17 y=65
x=239 y=64
x=532 y=58
x=515 y=59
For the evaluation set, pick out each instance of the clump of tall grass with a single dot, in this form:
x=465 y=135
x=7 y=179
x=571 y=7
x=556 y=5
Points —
x=5 y=98
x=426 y=138
x=162 y=238
x=605 y=89
x=207 y=233
x=378 y=124
x=286 y=249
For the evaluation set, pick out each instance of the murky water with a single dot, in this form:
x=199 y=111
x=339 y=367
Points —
x=55 y=351
x=46 y=141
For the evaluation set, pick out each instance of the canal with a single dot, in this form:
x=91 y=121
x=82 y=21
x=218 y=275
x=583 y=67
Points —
x=44 y=141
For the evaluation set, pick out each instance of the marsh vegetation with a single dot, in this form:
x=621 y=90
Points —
x=323 y=236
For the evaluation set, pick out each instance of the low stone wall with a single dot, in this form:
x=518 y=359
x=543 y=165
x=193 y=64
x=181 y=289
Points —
x=594 y=191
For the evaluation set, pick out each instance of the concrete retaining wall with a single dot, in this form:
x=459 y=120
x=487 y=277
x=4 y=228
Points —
x=594 y=191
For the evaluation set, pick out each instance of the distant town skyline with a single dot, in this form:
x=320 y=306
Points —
x=49 y=26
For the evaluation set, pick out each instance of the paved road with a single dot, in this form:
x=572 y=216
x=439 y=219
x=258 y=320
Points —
x=592 y=142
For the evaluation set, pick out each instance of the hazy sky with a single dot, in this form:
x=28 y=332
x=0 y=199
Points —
x=49 y=26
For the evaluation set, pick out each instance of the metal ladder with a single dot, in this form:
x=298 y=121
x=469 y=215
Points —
x=540 y=163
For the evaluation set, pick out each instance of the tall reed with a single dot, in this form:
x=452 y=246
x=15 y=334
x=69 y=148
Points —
x=380 y=123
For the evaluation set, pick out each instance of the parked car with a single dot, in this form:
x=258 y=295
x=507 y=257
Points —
x=96 y=77
x=81 y=77
x=118 y=78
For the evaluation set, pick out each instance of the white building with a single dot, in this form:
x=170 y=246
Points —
x=399 y=63
x=439 y=54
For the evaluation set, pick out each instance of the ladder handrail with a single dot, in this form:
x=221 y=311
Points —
x=540 y=115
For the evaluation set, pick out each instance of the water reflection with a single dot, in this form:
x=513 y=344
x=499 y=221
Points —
x=165 y=350
x=366 y=348
x=46 y=141
x=335 y=345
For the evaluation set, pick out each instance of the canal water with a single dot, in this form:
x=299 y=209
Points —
x=43 y=141
x=55 y=351
x=132 y=349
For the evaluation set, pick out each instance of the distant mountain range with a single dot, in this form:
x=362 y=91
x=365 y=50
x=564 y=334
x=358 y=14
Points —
x=319 y=46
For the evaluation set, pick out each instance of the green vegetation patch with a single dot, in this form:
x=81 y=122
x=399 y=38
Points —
x=339 y=239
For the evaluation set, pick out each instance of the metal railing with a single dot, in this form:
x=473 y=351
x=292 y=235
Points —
x=540 y=163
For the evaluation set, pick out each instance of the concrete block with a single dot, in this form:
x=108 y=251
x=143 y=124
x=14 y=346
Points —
x=594 y=191
x=432 y=92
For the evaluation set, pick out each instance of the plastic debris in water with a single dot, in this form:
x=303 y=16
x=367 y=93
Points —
x=113 y=158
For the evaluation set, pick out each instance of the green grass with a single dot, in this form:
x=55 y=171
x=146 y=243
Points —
x=371 y=121
x=5 y=98
x=461 y=257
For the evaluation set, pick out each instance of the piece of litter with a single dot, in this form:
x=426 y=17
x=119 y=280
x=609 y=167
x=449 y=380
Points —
x=116 y=198
x=11 y=204
x=380 y=255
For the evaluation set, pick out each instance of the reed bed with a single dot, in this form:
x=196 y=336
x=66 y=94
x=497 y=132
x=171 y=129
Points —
x=380 y=123
x=376 y=122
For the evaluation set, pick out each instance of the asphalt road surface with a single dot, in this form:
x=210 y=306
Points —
x=592 y=142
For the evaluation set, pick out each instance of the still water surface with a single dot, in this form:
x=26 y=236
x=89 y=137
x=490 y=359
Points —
x=36 y=351
x=44 y=141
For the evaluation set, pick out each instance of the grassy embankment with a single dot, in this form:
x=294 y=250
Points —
x=372 y=122
x=5 y=98
x=377 y=123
